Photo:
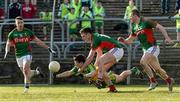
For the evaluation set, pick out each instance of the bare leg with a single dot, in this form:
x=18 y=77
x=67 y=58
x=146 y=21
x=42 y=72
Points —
x=122 y=76
x=145 y=60
x=102 y=74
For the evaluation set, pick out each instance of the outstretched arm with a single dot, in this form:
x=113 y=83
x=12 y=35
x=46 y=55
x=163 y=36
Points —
x=64 y=74
x=88 y=60
x=8 y=45
x=164 y=32
x=42 y=44
x=129 y=40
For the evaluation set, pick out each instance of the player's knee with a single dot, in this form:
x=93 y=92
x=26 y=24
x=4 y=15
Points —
x=101 y=62
x=157 y=70
x=143 y=63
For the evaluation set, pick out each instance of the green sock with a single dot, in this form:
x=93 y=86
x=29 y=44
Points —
x=135 y=71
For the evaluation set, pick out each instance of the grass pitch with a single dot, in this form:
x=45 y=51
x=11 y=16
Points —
x=87 y=93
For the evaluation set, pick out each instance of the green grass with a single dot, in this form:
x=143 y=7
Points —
x=87 y=93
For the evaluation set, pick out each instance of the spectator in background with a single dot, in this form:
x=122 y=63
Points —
x=177 y=5
x=46 y=16
x=28 y=10
x=129 y=9
x=64 y=9
x=94 y=4
x=177 y=28
x=87 y=3
x=1 y=14
x=72 y=16
x=86 y=15
x=1 y=10
x=128 y=12
x=46 y=1
x=77 y=5
x=14 y=9
x=34 y=3
x=99 y=14
x=165 y=6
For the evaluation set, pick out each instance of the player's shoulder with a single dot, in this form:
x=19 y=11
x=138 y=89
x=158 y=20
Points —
x=26 y=29
x=150 y=22
x=12 y=32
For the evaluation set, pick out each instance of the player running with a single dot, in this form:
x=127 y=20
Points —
x=20 y=38
x=90 y=73
x=142 y=30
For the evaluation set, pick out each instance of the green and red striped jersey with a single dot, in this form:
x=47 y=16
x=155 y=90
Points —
x=104 y=42
x=144 y=32
x=21 y=41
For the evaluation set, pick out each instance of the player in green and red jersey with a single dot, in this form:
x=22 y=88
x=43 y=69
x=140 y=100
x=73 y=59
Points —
x=109 y=51
x=20 y=38
x=90 y=73
x=142 y=29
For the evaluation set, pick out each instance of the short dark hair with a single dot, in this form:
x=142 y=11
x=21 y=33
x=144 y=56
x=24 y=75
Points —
x=79 y=58
x=136 y=12
x=86 y=30
x=18 y=18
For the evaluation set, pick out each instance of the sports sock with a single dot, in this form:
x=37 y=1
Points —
x=152 y=80
x=37 y=72
x=112 y=88
x=135 y=70
x=168 y=80
x=26 y=85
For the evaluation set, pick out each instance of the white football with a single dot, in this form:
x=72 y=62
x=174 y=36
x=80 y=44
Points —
x=54 y=66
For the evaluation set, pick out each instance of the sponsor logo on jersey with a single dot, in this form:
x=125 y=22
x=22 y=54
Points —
x=21 y=39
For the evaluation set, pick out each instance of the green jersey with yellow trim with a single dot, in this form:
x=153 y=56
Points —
x=90 y=68
x=21 y=41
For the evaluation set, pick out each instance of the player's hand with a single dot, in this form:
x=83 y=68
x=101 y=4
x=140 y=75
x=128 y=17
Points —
x=168 y=40
x=121 y=39
x=5 y=55
x=58 y=76
x=51 y=51
x=81 y=76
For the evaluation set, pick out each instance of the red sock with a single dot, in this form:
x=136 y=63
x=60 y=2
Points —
x=168 y=80
x=152 y=80
x=112 y=88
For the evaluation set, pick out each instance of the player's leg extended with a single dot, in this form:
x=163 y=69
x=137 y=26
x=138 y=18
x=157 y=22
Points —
x=126 y=73
x=109 y=59
x=27 y=74
x=161 y=72
x=102 y=74
x=145 y=60
x=24 y=64
x=122 y=76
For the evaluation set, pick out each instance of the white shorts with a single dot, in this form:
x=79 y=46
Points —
x=117 y=52
x=24 y=59
x=155 y=50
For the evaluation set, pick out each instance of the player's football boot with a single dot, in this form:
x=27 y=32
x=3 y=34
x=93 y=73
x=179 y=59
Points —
x=170 y=85
x=38 y=69
x=137 y=72
x=99 y=83
x=152 y=86
x=112 y=89
x=26 y=90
